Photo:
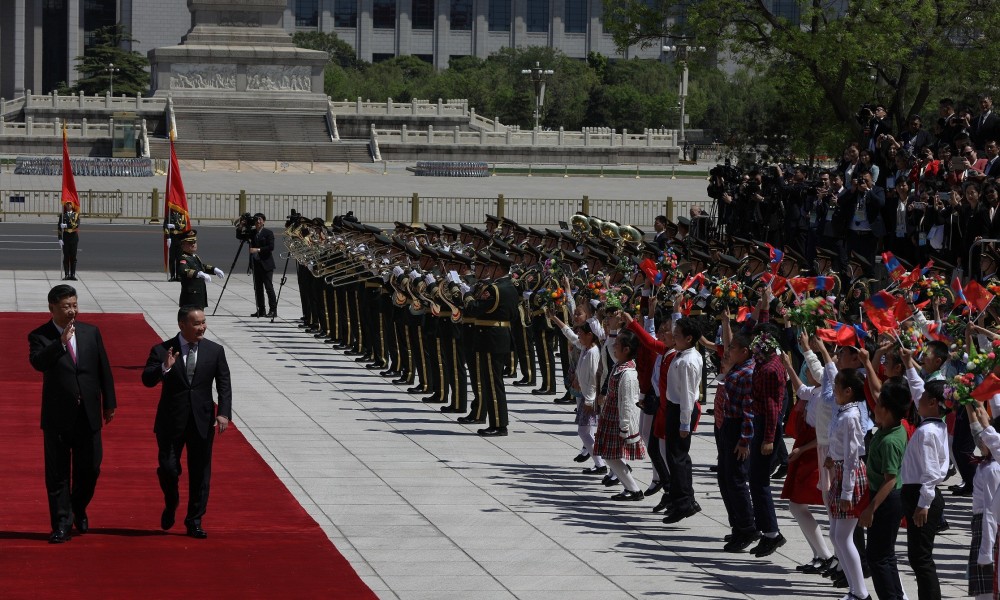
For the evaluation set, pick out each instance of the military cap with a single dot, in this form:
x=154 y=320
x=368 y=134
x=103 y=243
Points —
x=686 y=222
x=861 y=261
x=501 y=245
x=432 y=228
x=941 y=265
x=449 y=230
x=492 y=219
x=795 y=255
x=730 y=261
x=191 y=236
x=500 y=259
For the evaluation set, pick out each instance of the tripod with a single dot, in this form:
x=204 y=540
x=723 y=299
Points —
x=281 y=284
x=233 y=266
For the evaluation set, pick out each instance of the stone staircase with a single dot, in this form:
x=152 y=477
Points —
x=338 y=151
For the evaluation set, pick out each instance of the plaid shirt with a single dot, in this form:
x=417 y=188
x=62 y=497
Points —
x=769 y=379
x=738 y=398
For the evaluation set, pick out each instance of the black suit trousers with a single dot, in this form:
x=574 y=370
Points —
x=920 y=541
x=679 y=461
x=72 y=465
x=262 y=281
x=199 y=464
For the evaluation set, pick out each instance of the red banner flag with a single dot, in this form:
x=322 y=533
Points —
x=176 y=199
x=987 y=389
x=977 y=296
x=68 y=182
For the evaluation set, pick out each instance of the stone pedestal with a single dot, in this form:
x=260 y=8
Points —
x=237 y=49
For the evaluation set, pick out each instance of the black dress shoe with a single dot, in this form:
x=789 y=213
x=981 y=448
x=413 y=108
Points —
x=780 y=472
x=961 y=490
x=273 y=314
x=60 y=535
x=653 y=488
x=257 y=315
x=363 y=359
x=664 y=504
x=767 y=546
x=840 y=580
x=432 y=400
x=818 y=567
x=741 y=542
x=492 y=432
x=389 y=373
x=400 y=380
x=417 y=389
x=610 y=479
x=524 y=382
x=195 y=531
x=567 y=399
x=82 y=523
x=595 y=470
x=832 y=568
x=452 y=409
x=167 y=518
x=470 y=420
x=627 y=496
x=375 y=366
x=678 y=515
x=581 y=457
x=542 y=392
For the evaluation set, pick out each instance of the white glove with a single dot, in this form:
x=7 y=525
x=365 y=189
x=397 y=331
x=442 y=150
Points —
x=385 y=278
x=429 y=279
x=168 y=243
x=677 y=288
x=595 y=302
x=63 y=226
x=397 y=271
x=205 y=276
x=526 y=295
x=414 y=275
x=704 y=293
x=362 y=248
x=171 y=226
x=453 y=277
x=385 y=261
x=218 y=273
x=60 y=243
x=464 y=287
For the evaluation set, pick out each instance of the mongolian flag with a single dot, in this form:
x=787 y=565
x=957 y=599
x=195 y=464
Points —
x=956 y=286
x=68 y=182
x=776 y=256
x=880 y=311
x=176 y=199
x=806 y=284
x=743 y=313
x=698 y=279
x=987 y=389
x=892 y=264
x=778 y=283
x=977 y=296
x=937 y=332
x=842 y=334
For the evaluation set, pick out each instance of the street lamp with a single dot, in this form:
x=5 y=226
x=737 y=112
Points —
x=538 y=76
x=112 y=69
x=681 y=52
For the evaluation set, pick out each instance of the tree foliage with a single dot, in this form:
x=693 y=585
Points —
x=130 y=76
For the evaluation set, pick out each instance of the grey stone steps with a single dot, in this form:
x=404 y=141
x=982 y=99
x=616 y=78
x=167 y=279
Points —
x=327 y=151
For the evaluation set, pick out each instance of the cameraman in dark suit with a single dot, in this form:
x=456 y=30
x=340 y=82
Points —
x=261 y=250
x=187 y=364
x=860 y=219
x=78 y=397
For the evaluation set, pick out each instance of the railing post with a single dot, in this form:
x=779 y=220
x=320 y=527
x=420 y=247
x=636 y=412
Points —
x=138 y=101
x=82 y=99
x=357 y=105
x=154 y=207
x=243 y=202
x=329 y=207
x=55 y=125
x=585 y=205
x=430 y=134
x=669 y=208
x=586 y=137
x=482 y=136
x=456 y=133
x=496 y=123
x=111 y=127
x=83 y=127
x=388 y=106
x=534 y=136
x=29 y=125
x=415 y=210
x=413 y=106
x=501 y=205
x=562 y=133
x=27 y=98
x=107 y=99
x=440 y=107
x=402 y=134
x=55 y=99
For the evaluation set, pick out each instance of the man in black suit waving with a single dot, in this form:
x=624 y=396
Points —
x=261 y=250
x=186 y=415
x=78 y=397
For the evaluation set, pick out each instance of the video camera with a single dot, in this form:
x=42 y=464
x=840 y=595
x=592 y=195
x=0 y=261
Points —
x=246 y=227
x=292 y=218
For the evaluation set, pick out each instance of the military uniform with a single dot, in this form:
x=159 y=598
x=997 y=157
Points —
x=68 y=232
x=189 y=266
x=174 y=229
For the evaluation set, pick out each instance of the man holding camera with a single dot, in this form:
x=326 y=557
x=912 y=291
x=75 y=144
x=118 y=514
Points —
x=261 y=250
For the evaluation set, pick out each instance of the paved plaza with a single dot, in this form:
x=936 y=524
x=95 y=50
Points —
x=424 y=508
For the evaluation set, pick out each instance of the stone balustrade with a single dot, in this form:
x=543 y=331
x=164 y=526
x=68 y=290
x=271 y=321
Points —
x=652 y=138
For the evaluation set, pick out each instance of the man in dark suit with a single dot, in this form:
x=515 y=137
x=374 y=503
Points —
x=660 y=227
x=992 y=168
x=186 y=415
x=261 y=250
x=986 y=125
x=78 y=397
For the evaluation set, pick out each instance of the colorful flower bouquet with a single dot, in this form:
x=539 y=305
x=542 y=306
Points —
x=810 y=313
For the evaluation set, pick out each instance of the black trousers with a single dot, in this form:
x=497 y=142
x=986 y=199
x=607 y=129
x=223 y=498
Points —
x=545 y=351
x=71 y=241
x=494 y=394
x=524 y=347
x=678 y=460
x=920 y=541
x=72 y=466
x=199 y=464
x=474 y=360
x=882 y=548
x=262 y=281
x=760 y=480
x=964 y=447
x=733 y=477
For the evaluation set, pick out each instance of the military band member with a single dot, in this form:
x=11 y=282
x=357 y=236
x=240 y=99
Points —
x=193 y=273
x=69 y=238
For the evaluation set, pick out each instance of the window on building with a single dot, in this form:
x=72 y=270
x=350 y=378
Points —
x=97 y=14
x=378 y=57
x=787 y=9
x=345 y=13
x=499 y=16
x=422 y=16
x=575 y=19
x=384 y=14
x=427 y=58
x=55 y=46
x=538 y=16
x=461 y=15
x=307 y=13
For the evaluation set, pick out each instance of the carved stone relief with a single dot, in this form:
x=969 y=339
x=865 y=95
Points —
x=203 y=77
x=278 y=78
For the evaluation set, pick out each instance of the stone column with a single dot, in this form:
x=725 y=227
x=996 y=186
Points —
x=557 y=18
x=442 y=29
x=480 y=28
x=364 y=30
x=19 y=43
x=33 y=48
x=518 y=22
x=594 y=26
x=74 y=41
x=404 y=27
x=326 y=15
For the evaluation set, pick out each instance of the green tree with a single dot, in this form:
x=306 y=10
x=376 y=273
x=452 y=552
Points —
x=130 y=76
x=896 y=51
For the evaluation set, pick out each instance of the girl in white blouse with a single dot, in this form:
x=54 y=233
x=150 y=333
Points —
x=585 y=340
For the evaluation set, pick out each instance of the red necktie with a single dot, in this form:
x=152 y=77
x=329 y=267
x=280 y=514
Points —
x=72 y=352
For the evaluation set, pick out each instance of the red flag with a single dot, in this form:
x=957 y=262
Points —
x=880 y=310
x=685 y=305
x=68 y=182
x=176 y=199
x=743 y=313
x=977 y=296
x=778 y=283
x=902 y=310
x=698 y=279
x=648 y=267
x=987 y=389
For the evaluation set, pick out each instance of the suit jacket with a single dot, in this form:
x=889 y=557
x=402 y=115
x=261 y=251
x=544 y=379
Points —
x=180 y=398
x=988 y=130
x=992 y=170
x=66 y=385
x=265 y=241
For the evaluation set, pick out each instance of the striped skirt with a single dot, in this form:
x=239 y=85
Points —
x=859 y=498
x=980 y=576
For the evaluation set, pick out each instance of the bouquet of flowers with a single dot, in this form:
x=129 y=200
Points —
x=667 y=265
x=614 y=299
x=935 y=289
x=592 y=290
x=553 y=297
x=810 y=313
x=958 y=390
x=911 y=337
x=552 y=268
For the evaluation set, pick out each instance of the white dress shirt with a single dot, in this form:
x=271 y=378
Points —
x=684 y=383
x=925 y=461
x=847 y=442
x=984 y=495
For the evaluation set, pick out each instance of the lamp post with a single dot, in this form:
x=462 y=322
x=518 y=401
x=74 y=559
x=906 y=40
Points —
x=538 y=76
x=681 y=51
x=112 y=69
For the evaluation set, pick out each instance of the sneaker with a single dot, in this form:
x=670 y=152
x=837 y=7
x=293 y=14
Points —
x=767 y=546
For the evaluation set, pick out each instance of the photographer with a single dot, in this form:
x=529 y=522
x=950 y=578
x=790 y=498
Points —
x=915 y=138
x=261 y=249
x=820 y=199
x=795 y=196
x=872 y=119
x=860 y=215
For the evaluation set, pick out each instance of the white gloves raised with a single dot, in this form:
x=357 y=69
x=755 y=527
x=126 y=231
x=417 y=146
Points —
x=171 y=226
x=63 y=226
x=526 y=295
x=397 y=271
x=414 y=275
x=205 y=276
x=453 y=277
x=218 y=273
x=464 y=287
x=168 y=243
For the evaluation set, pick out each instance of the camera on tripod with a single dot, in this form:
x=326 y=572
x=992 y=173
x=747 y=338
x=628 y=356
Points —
x=245 y=227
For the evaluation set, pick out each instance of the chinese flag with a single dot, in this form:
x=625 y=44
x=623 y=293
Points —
x=176 y=199
x=68 y=182
x=987 y=389
x=977 y=296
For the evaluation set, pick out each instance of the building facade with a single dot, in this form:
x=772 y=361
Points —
x=40 y=39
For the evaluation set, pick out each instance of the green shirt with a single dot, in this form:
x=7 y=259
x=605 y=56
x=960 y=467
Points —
x=885 y=456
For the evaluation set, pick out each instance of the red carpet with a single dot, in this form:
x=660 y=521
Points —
x=261 y=543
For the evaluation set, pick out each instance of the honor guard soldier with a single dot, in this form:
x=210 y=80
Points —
x=193 y=273
x=175 y=228
x=69 y=238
